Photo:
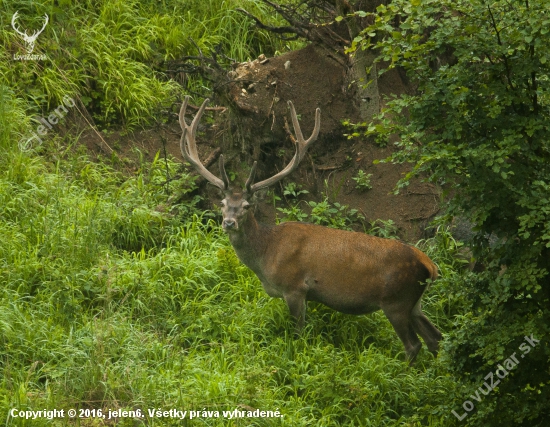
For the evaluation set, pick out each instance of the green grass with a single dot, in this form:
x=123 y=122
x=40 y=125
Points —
x=109 y=301
x=111 y=55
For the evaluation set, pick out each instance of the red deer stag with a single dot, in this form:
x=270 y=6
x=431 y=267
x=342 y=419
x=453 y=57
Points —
x=347 y=271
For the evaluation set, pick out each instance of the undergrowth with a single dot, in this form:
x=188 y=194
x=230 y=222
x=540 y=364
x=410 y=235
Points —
x=111 y=299
x=114 y=56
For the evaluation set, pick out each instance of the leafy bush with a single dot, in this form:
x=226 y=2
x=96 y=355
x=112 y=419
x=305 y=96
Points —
x=324 y=213
x=294 y=190
x=386 y=229
x=479 y=122
x=333 y=215
x=362 y=180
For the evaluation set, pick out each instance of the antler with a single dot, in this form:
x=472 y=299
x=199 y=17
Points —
x=301 y=149
x=189 y=149
x=188 y=146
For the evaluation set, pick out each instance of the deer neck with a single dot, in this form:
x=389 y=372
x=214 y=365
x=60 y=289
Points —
x=250 y=243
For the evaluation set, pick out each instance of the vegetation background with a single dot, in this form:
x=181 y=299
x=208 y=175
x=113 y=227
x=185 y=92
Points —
x=115 y=296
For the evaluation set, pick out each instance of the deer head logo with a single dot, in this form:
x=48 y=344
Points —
x=29 y=39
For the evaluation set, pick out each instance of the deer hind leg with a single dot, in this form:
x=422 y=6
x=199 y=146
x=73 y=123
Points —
x=400 y=321
x=429 y=333
x=296 y=302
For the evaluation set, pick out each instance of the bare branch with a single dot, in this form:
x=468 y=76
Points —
x=278 y=30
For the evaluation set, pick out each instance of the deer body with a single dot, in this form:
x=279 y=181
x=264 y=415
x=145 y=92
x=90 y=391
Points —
x=350 y=272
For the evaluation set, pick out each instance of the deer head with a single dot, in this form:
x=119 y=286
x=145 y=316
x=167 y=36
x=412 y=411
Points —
x=236 y=203
x=29 y=40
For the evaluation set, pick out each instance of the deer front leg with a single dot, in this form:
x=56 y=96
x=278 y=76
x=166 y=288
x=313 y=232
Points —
x=296 y=302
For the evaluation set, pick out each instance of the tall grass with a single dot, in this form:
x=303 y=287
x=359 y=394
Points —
x=111 y=54
x=109 y=301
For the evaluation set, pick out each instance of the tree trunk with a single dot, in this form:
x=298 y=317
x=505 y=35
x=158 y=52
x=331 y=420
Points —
x=362 y=76
x=365 y=84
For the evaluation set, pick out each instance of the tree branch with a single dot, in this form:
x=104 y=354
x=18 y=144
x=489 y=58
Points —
x=278 y=30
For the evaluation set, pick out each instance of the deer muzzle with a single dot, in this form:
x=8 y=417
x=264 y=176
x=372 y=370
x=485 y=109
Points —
x=229 y=224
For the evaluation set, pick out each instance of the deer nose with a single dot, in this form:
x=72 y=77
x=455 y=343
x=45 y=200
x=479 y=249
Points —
x=229 y=223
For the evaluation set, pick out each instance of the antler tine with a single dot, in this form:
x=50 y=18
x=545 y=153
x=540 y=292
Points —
x=250 y=180
x=194 y=123
x=223 y=173
x=295 y=124
x=188 y=145
x=301 y=149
